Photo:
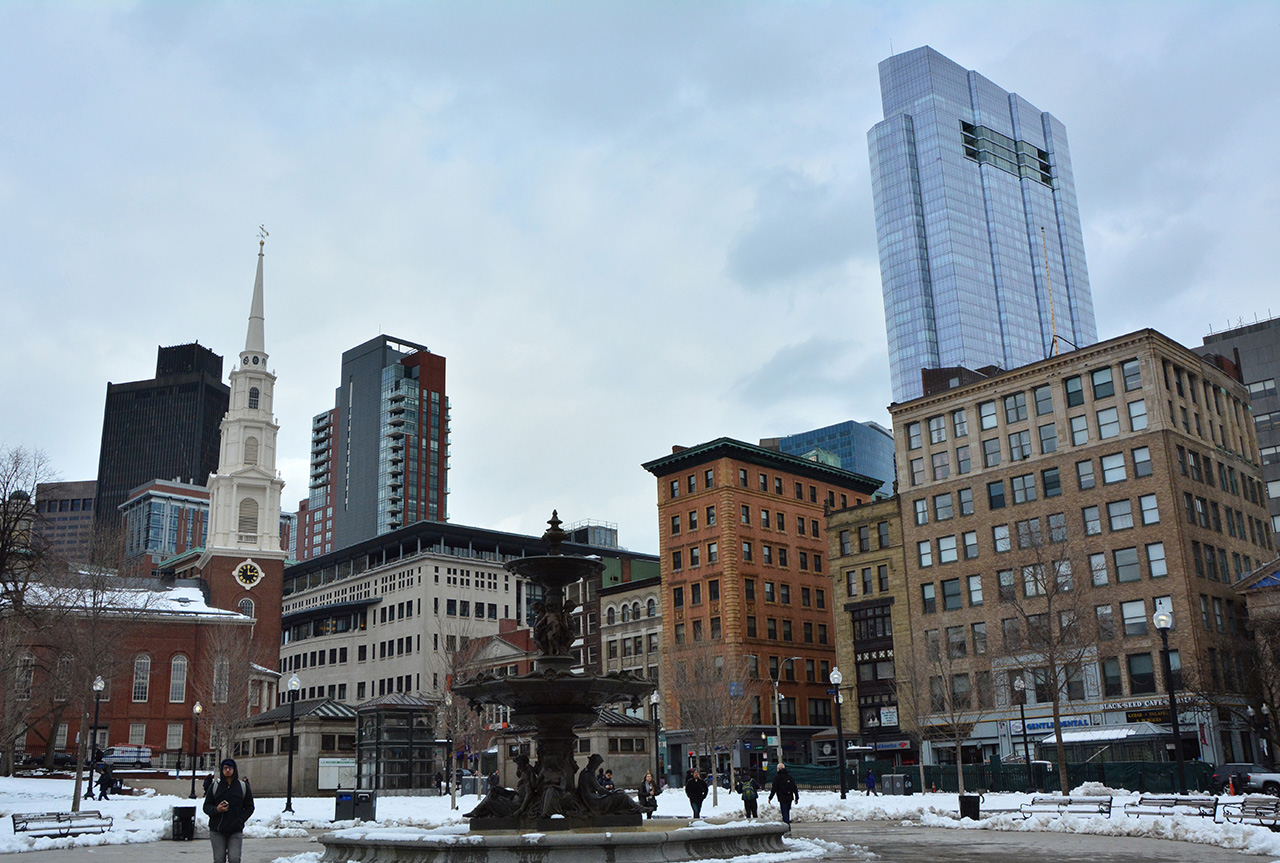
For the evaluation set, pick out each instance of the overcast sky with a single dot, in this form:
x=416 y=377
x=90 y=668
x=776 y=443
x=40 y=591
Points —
x=626 y=225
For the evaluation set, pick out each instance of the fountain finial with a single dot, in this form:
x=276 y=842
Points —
x=554 y=535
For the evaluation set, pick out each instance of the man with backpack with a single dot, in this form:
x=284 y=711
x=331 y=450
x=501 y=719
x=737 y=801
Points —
x=750 y=804
x=229 y=804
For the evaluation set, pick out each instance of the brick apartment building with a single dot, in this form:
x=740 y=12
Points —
x=1063 y=503
x=745 y=591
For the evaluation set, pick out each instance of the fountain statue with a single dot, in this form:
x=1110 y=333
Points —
x=552 y=700
x=557 y=812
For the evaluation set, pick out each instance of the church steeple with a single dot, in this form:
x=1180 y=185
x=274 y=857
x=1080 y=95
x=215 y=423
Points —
x=255 y=340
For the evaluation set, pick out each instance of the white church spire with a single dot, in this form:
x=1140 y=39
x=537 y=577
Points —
x=255 y=340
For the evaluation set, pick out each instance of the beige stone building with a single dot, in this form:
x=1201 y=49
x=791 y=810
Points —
x=1047 y=512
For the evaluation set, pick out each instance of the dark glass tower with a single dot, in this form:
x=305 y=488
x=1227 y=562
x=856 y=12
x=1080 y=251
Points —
x=974 y=195
x=163 y=428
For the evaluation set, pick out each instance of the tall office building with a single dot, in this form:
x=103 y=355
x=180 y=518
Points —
x=380 y=458
x=973 y=193
x=166 y=427
x=865 y=448
x=1255 y=348
x=64 y=517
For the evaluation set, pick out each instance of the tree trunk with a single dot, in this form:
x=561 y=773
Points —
x=80 y=750
x=959 y=765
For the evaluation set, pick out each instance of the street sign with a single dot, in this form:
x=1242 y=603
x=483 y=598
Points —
x=771 y=740
x=831 y=690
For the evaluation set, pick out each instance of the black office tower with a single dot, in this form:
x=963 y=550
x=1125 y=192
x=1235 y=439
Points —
x=164 y=428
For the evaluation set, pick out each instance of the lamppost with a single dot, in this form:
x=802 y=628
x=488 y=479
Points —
x=1020 y=684
x=1164 y=622
x=657 y=753
x=448 y=761
x=777 y=708
x=195 y=736
x=98 y=685
x=836 y=678
x=294 y=686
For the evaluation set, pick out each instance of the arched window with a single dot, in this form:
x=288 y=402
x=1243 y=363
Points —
x=141 y=677
x=178 y=679
x=635 y=611
x=652 y=607
x=26 y=676
x=626 y=613
x=248 y=520
x=253 y=398
x=610 y=616
x=246 y=607
x=221 y=679
x=251 y=450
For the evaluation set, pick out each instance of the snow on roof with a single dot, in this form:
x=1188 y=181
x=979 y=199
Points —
x=172 y=601
x=1108 y=733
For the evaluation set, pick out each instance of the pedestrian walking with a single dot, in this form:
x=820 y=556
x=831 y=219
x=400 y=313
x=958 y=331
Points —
x=229 y=804
x=695 y=788
x=750 y=794
x=786 y=790
x=871 y=784
x=439 y=782
x=106 y=781
x=649 y=793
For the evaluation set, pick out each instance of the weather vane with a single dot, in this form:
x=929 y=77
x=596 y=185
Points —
x=263 y=233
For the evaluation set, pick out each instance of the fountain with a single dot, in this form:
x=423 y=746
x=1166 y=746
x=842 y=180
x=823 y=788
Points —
x=556 y=810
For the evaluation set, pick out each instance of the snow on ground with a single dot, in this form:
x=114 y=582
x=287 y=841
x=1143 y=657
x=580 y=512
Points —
x=145 y=818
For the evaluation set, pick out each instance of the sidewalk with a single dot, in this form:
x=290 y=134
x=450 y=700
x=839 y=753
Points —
x=255 y=851
x=888 y=839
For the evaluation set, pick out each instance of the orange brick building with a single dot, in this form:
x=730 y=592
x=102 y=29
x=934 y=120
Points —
x=745 y=585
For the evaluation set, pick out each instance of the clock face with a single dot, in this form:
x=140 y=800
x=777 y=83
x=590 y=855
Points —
x=248 y=573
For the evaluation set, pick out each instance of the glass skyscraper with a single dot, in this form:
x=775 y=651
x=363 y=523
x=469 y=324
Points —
x=973 y=189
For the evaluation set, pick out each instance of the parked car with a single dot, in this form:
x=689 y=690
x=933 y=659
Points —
x=127 y=756
x=1267 y=780
x=60 y=759
x=1223 y=772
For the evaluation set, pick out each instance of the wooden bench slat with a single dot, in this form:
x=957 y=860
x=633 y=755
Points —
x=1066 y=805
x=61 y=823
x=1174 y=804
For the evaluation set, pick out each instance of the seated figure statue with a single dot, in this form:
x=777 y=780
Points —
x=503 y=802
x=600 y=801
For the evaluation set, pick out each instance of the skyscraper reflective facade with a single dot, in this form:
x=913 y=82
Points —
x=973 y=189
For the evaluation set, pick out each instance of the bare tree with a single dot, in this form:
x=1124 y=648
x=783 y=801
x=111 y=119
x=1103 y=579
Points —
x=711 y=698
x=1050 y=629
x=942 y=694
x=223 y=681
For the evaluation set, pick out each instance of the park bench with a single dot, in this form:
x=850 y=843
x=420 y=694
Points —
x=1174 y=804
x=1067 y=805
x=61 y=823
x=1263 y=809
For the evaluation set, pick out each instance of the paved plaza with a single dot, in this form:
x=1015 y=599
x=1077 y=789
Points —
x=888 y=840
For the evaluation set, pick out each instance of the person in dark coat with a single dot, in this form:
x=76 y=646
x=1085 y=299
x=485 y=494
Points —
x=786 y=790
x=695 y=788
x=607 y=784
x=870 y=782
x=750 y=793
x=229 y=804
x=106 y=782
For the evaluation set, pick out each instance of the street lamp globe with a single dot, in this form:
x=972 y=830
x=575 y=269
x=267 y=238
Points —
x=197 y=709
x=836 y=677
x=99 y=684
x=294 y=683
x=1019 y=684
x=655 y=698
x=1163 y=620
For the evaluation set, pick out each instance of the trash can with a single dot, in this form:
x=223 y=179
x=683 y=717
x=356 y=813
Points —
x=969 y=806
x=344 y=806
x=908 y=788
x=184 y=823
x=893 y=784
x=365 y=806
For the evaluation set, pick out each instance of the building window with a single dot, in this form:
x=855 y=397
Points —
x=925 y=551
x=253 y=400
x=1084 y=474
x=1103 y=385
x=995 y=494
x=1052 y=482
x=1074 y=390
x=942 y=509
x=991 y=452
x=1098 y=568
x=914 y=439
x=137 y=733
x=928 y=598
x=937 y=430
x=1156 y=561
x=1024 y=488
x=1142 y=678
x=1000 y=537
x=1132 y=375
x=966 y=508
x=1120 y=514
x=1015 y=407
x=1079 y=431
x=1020 y=446
x=959 y=424
x=1142 y=462
x=1126 y=562
x=970 y=544
x=246 y=607
x=141 y=677
x=963 y=464
x=177 y=679
x=947 y=549
x=1108 y=423
x=1048 y=438
x=1150 y=509
x=1113 y=469
x=1138 y=415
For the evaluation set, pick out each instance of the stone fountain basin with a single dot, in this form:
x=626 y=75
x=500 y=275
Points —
x=555 y=693
x=655 y=842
